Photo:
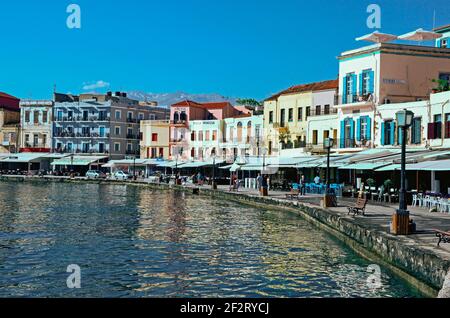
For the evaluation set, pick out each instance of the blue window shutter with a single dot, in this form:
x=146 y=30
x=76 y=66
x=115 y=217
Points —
x=369 y=128
x=392 y=137
x=438 y=43
x=382 y=134
x=371 y=87
x=358 y=129
x=344 y=90
x=352 y=129
x=354 y=86
x=361 y=79
x=400 y=136
x=342 y=143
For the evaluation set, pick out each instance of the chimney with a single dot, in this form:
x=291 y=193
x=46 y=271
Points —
x=118 y=94
x=109 y=94
x=124 y=95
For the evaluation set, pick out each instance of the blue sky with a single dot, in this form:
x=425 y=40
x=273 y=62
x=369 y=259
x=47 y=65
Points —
x=240 y=48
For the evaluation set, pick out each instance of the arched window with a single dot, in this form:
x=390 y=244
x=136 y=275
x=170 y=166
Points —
x=183 y=116
x=239 y=132
x=249 y=132
x=176 y=117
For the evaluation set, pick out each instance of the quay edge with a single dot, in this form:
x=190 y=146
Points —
x=422 y=269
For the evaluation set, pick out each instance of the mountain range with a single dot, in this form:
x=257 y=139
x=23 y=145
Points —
x=167 y=99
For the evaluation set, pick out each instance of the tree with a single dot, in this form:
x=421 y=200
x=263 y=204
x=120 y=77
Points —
x=248 y=102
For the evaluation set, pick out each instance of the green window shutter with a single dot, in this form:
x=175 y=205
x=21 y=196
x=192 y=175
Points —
x=382 y=134
x=342 y=141
x=392 y=136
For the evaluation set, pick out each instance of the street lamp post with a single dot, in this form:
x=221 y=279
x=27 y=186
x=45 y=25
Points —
x=71 y=166
x=265 y=185
x=330 y=197
x=213 y=183
x=400 y=220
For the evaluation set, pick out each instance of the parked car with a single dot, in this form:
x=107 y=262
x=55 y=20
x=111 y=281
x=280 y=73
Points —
x=120 y=175
x=95 y=174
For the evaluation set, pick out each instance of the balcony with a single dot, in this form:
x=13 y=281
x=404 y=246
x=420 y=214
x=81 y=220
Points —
x=323 y=112
x=179 y=123
x=132 y=136
x=132 y=120
x=357 y=99
x=82 y=119
x=80 y=135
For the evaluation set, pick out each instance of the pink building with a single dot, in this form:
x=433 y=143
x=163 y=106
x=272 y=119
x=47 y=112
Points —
x=183 y=112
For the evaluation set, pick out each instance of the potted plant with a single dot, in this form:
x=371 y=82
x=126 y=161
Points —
x=370 y=182
x=442 y=85
x=388 y=184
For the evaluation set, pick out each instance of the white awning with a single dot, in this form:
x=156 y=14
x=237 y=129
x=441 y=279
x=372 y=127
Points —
x=438 y=165
x=78 y=160
x=364 y=166
x=24 y=157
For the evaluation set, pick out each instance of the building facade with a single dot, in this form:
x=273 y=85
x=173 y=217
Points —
x=36 y=118
x=380 y=74
x=286 y=115
x=98 y=124
x=9 y=123
x=155 y=139
x=205 y=138
x=182 y=113
x=243 y=136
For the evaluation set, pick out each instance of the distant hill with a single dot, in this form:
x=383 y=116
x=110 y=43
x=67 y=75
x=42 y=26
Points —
x=167 y=99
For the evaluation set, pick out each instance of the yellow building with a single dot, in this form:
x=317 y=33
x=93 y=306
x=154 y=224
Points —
x=286 y=114
x=155 y=139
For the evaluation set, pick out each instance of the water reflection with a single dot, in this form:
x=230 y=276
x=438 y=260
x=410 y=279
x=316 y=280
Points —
x=137 y=242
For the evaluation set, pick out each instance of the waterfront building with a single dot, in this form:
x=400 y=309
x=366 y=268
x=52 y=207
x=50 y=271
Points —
x=286 y=116
x=383 y=73
x=9 y=123
x=36 y=125
x=182 y=113
x=243 y=136
x=155 y=139
x=98 y=124
x=205 y=139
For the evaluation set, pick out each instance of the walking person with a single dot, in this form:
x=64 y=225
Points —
x=302 y=185
x=259 y=182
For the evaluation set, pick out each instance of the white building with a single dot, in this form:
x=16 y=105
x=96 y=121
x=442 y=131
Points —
x=36 y=119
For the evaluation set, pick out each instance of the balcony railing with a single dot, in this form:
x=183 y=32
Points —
x=81 y=135
x=81 y=119
x=323 y=112
x=79 y=151
x=353 y=98
x=178 y=122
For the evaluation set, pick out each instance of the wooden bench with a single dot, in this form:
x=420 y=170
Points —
x=444 y=237
x=293 y=194
x=359 y=208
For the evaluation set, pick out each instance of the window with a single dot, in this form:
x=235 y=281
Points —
x=315 y=137
x=326 y=109
x=308 y=112
x=200 y=136
x=36 y=117
x=129 y=132
x=129 y=148
x=153 y=155
x=445 y=77
x=44 y=116
x=363 y=131
x=193 y=136
x=44 y=140
x=35 y=140
x=59 y=116
x=70 y=114
x=416 y=131
x=388 y=132
x=214 y=135
x=349 y=87
x=85 y=115
x=27 y=116
x=118 y=114
x=365 y=82
x=300 y=114
x=117 y=130
x=154 y=137
x=207 y=135
x=117 y=146
x=291 y=114
x=152 y=117
x=239 y=132
x=282 y=117
x=271 y=117
x=141 y=116
x=130 y=116
x=101 y=147
x=318 y=110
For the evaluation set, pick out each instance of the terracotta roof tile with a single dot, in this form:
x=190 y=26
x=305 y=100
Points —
x=317 y=86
